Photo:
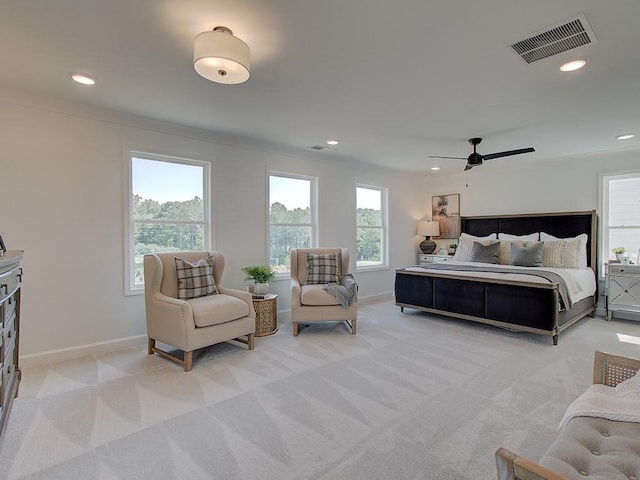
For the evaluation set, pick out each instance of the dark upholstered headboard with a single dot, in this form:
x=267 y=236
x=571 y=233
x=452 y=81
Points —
x=560 y=224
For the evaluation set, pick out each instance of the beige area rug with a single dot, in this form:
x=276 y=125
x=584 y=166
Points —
x=412 y=396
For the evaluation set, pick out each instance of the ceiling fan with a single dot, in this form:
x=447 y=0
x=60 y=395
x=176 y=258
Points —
x=476 y=159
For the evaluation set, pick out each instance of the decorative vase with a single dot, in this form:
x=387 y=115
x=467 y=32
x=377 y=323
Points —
x=619 y=257
x=428 y=245
x=261 y=288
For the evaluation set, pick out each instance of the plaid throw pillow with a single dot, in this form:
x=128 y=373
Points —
x=321 y=268
x=195 y=279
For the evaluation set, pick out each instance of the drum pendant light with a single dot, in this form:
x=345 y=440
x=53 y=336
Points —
x=221 y=57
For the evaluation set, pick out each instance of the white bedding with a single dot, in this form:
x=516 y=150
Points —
x=581 y=282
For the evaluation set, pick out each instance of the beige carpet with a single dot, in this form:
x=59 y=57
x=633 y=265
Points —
x=411 y=396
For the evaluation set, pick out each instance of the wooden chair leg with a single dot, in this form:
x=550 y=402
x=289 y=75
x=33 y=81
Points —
x=504 y=464
x=151 y=344
x=295 y=329
x=188 y=361
x=251 y=341
x=352 y=325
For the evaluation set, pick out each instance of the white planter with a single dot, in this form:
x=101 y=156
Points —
x=261 y=288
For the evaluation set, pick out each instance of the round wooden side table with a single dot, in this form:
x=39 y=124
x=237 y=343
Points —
x=266 y=315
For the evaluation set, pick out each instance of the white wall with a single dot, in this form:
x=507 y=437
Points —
x=510 y=185
x=63 y=164
x=63 y=202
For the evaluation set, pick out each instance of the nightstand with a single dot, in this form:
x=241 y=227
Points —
x=266 y=315
x=622 y=288
x=433 y=257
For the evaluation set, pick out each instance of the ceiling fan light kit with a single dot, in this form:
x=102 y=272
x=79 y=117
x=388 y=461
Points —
x=476 y=159
x=221 y=57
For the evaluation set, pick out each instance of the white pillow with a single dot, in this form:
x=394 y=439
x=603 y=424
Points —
x=532 y=237
x=582 y=246
x=465 y=245
x=560 y=253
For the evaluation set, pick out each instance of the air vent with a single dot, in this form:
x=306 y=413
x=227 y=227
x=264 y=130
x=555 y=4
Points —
x=570 y=34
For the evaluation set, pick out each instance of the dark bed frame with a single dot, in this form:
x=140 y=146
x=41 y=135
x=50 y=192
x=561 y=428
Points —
x=516 y=305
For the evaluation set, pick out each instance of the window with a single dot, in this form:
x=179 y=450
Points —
x=620 y=216
x=371 y=225
x=292 y=218
x=168 y=210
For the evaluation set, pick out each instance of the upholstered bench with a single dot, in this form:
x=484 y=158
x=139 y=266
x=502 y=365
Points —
x=587 y=447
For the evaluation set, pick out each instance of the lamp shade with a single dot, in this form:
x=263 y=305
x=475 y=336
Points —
x=221 y=57
x=428 y=229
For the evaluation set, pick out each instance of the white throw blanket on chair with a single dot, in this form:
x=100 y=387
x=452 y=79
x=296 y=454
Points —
x=620 y=403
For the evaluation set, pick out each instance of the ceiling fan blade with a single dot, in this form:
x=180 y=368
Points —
x=508 y=153
x=455 y=158
x=468 y=167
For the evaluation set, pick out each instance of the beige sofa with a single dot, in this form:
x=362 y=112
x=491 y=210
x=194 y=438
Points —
x=311 y=303
x=587 y=448
x=196 y=323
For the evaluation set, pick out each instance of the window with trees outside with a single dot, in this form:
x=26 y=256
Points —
x=168 y=210
x=371 y=225
x=292 y=218
x=620 y=216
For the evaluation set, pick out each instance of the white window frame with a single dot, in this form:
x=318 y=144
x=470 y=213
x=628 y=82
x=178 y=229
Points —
x=129 y=228
x=313 y=203
x=605 y=248
x=384 y=205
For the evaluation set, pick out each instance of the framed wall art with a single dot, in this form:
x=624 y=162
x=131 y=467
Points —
x=3 y=249
x=445 y=209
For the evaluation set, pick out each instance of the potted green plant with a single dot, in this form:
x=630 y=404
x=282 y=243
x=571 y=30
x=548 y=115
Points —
x=619 y=251
x=261 y=276
x=452 y=248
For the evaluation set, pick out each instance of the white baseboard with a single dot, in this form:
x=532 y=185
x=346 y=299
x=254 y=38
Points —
x=70 y=353
x=62 y=354
x=377 y=298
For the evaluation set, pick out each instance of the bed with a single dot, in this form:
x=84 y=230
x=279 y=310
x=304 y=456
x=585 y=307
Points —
x=519 y=298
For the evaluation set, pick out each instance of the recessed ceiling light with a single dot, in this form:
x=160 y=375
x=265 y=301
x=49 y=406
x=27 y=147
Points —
x=435 y=168
x=83 y=79
x=625 y=136
x=573 y=65
x=332 y=142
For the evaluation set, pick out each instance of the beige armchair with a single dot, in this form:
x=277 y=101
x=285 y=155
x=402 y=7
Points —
x=311 y=303
x=197 y=322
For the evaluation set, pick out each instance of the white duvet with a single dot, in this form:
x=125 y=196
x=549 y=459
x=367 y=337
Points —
x=581 y=282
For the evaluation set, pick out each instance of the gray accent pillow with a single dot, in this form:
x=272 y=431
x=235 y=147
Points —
x=527 y=255
x=485 y=253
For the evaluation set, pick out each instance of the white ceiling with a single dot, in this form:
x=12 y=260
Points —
x=395 y=81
